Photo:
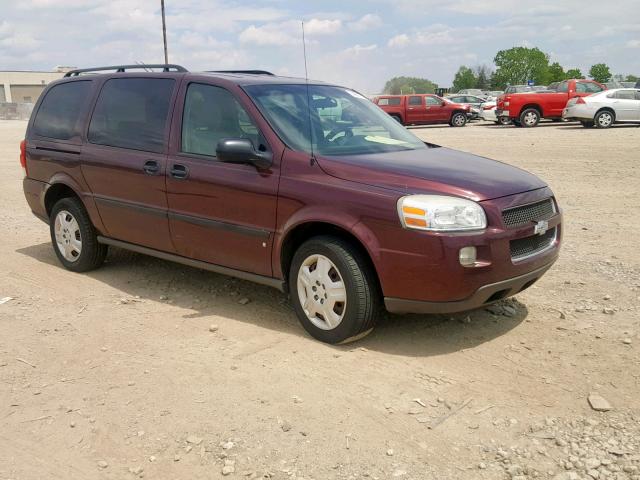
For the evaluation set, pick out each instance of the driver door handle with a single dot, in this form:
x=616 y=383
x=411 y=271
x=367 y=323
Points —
x=151 y=167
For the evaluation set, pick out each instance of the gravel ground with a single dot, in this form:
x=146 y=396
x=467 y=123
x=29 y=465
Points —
x=149 y=369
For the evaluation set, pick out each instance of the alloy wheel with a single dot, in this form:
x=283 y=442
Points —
x=605 y=119
x=68 y=237
x=530 y=119
x=322 y=292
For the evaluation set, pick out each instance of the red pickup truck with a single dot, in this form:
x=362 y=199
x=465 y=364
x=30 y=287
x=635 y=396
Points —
x=526 y=109
x=424 y=109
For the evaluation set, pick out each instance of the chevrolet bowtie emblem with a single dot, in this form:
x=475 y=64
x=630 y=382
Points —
x=541 y=227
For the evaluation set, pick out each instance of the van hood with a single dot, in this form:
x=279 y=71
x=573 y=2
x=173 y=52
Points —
x=433 y=170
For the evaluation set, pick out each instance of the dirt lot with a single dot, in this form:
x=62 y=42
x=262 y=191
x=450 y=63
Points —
x=116 y=374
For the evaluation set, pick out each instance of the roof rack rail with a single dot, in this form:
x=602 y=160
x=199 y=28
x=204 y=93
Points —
x=166 y=67
x=246 y=72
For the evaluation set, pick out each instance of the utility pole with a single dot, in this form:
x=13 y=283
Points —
x=164 y=33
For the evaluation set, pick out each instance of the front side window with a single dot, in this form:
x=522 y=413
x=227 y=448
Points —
x=59 y=114
x=210 y=115
x=132 y=113
x=457 y=99
x=330 y=120
x=433 y=101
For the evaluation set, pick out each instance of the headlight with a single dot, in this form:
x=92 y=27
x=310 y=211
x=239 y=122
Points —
x=440 y=213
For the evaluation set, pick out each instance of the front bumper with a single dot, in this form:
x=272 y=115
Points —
x=485 y=295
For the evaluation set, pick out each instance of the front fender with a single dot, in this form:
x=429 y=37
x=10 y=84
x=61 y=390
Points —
x=333 y=216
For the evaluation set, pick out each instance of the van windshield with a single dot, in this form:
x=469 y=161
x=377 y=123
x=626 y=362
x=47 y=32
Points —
x=339 y=122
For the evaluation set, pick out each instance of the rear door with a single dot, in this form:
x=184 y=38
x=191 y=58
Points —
x=416 y=111
x=220 y=213
x=626 y=106
x=125 y=158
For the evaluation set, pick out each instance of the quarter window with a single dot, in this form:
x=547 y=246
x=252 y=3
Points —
x=415 y=101
x=59 y=115
x=210 y=115
x=132 y=113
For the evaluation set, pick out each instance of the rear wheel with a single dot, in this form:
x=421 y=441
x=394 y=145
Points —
x=587 y=123
x=333 y=290
x=458 y=120
x=74 y=238
x=397 y=118
x=503 y=121
x=604 y=119
x=530 y=117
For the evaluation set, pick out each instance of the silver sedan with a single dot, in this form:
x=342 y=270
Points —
x=603 y=109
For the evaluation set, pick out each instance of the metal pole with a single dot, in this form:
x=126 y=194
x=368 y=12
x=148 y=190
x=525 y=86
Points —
x=164 y=33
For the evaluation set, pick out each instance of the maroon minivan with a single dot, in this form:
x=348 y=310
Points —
x=306 y=187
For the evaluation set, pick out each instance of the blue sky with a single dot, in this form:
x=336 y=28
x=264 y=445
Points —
x=358 y=43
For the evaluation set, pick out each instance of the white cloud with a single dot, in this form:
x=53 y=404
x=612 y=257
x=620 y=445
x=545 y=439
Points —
x=367 y=22
x=316 y=26
x=266 y=35
x=401 y=40
x=358 y=49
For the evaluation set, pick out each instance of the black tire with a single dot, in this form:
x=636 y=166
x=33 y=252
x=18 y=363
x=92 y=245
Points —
x=529 y=118
x=363 y=300
x=397 y=118
x=604 y=119
x=504 y=121
x=92 y=253
x=587 y=123
x=458 y=120
x=516 y=123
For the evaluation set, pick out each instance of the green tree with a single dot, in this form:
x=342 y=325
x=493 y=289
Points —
x=403 y=85
x=574 y=73
x=483 y=77
x=464 y=79
x=556 y=72
x=631 y=78
x=600 y=73
x=518 y=65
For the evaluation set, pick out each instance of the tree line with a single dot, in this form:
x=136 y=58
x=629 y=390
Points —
x=514 y=66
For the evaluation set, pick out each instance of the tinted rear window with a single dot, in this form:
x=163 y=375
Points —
x=59 y=114
x=132 y=113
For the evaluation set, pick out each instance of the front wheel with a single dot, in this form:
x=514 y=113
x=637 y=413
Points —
x=74 y=238
x=333 y=290
x=604 y=119
x=458 y=120
x=530 y=117
x=504 y=121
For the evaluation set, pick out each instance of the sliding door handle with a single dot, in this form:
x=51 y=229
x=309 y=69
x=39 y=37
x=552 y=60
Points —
x=179 y=171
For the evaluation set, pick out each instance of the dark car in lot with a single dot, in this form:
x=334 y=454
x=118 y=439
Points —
x=302 y=186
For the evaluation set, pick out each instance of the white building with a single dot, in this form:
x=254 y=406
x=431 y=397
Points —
x=26 y=87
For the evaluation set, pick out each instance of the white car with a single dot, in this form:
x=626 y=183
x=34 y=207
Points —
x=488 y=113
x=603 y=109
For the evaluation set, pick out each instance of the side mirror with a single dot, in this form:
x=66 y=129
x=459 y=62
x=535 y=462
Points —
x=240 y=150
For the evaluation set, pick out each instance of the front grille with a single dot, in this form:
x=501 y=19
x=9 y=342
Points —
x=526 y=247
x=532 y=213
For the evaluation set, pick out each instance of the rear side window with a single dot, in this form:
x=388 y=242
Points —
x=389 y=101
x=59 y=114
x=563 y=87
x=415 y=100
x=132 y=113
x=588 y=87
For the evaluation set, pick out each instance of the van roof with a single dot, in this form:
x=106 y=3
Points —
x=240 y=77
